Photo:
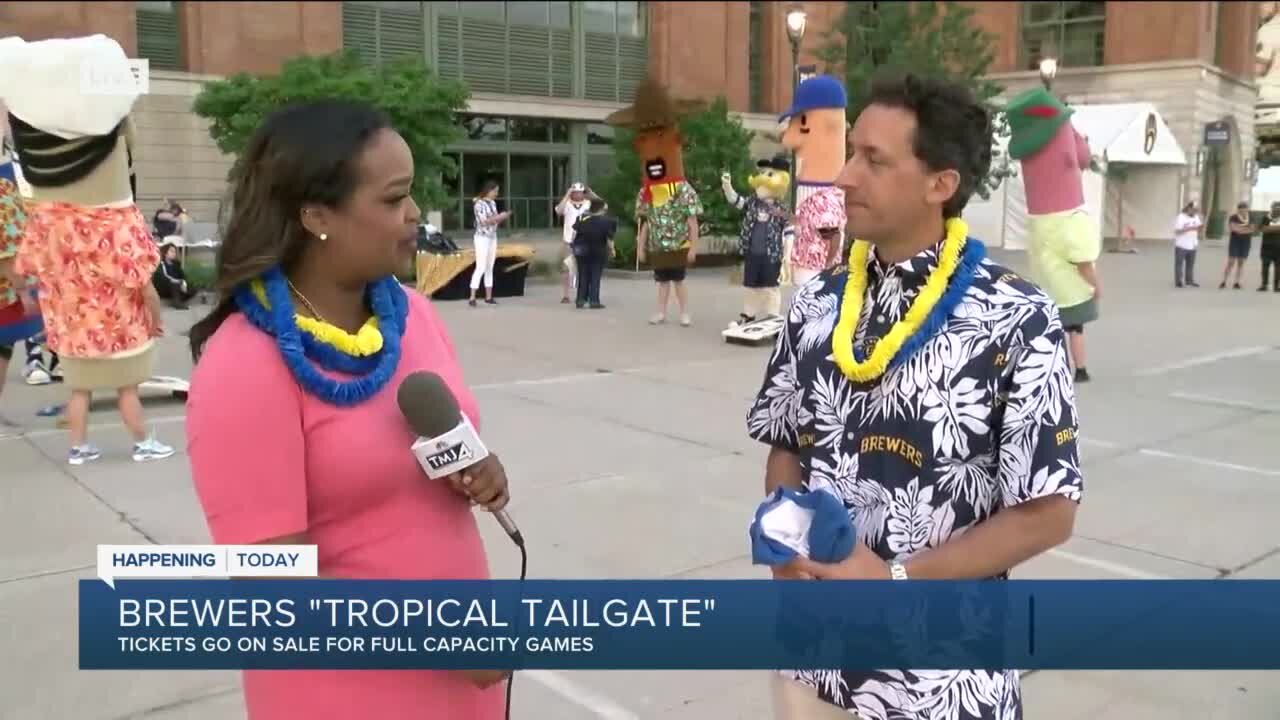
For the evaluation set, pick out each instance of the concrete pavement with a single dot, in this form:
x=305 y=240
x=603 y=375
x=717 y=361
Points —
x=1179 y=427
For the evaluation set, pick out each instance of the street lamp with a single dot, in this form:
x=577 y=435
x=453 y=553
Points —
x=796 y=20
x=1048 y=69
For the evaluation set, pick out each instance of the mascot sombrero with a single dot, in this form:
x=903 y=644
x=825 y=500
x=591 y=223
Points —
x=667 y=208
x=762 y=240
x=1064 y=242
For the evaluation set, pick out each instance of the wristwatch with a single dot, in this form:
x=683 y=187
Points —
x=897 y=571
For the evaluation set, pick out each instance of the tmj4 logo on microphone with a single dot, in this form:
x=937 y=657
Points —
x=447 y=454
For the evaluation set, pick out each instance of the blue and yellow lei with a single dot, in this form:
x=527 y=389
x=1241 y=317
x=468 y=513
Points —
x=371 y=355
x=941 y=294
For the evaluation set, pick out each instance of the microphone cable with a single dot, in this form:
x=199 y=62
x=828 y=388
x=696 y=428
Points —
x=518 y=539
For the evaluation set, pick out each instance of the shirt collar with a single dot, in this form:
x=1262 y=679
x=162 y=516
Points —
x=912 y=272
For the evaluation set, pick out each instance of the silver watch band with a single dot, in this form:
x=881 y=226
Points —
x=897 y=571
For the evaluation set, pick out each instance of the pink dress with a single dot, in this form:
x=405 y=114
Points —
x=269 y=460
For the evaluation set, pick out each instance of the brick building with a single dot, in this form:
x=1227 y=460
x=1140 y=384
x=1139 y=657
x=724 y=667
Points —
x=544 y=74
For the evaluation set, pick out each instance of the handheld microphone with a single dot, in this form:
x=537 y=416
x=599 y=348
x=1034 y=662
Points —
x=447 y=442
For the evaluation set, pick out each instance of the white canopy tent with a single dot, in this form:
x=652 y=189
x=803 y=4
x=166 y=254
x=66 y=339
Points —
x=1146 y=200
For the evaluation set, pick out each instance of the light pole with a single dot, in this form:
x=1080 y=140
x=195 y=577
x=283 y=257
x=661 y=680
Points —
x=796 y=20
x=1048 y=69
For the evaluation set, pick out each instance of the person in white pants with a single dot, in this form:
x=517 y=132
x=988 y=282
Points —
x=486 y=239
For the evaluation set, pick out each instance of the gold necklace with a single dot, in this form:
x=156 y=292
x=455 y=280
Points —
x=306 y=303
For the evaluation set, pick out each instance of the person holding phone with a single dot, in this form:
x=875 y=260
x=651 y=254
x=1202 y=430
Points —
x=486 y=239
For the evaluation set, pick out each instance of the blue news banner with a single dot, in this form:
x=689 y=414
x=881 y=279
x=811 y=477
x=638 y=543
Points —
x=689 y=625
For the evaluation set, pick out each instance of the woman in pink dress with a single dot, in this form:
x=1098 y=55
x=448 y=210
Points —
x=293 y=428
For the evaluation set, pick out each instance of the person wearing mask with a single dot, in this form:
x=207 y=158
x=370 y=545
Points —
x=486 y=239
x=592 y=247
x=1270 y=252
x=170 y=279
x=1238 y=245
x=284 y=451
x=103 y=325
x=1186 y=238
x=954 y=451
x=575 y=203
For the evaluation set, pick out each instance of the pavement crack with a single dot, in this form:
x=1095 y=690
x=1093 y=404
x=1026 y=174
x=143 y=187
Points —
x=1261 y=558
x=180 y=703
x=45 y=573
x=120 y=514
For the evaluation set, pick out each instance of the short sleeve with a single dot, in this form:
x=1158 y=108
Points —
x=692 y=203
x=774 y=417
x=1039 y=430
x=642 y=207
x=245 y=439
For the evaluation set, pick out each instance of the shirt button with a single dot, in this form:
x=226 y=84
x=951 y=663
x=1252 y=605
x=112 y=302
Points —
x=849 y=436
x=880 y=318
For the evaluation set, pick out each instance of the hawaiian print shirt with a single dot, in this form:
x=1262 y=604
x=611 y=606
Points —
x=669 y=221
x=981 y=418
x=94 y=268
x=774 y=214
x=816 y=208
x=12 y=219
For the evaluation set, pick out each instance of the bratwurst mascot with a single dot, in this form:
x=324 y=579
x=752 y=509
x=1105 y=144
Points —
x=667 y=208
x=85 y=241
x=761 y=242
x=815 y=129
x=1063 y=241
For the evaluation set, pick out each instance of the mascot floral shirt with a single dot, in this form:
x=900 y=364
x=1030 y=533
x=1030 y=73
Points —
x=981 y=418
x=12 y=218
x=668 y=217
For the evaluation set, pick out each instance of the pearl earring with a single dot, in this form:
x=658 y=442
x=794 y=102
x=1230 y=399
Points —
x=324 y=236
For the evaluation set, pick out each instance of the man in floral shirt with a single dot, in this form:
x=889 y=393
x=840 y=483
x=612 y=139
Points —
x=961 y=461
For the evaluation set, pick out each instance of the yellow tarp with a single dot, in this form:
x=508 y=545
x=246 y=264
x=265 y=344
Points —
x=435 y=270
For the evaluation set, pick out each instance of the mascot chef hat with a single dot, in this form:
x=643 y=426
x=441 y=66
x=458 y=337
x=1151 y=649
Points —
x=70 y=88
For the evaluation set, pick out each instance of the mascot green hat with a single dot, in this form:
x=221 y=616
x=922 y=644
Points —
x=1034 y=116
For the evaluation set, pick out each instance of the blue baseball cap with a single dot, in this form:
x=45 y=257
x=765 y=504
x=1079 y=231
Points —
x=820 y=92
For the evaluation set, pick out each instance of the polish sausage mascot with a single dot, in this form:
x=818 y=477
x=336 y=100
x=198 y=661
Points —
x=1063 y=240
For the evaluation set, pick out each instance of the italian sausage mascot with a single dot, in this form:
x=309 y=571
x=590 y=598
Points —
x=1063 y=240
x=761 y=242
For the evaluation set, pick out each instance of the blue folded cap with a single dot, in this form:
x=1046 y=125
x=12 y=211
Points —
x=816 y=93
x=817 y=515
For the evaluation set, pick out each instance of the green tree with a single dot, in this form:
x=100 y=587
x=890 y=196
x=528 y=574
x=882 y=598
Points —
x=714 y=142
x=937 y=39
x=420 y=104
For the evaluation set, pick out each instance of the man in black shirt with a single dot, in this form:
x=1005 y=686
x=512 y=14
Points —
x=1271 y=248
x=592 y=247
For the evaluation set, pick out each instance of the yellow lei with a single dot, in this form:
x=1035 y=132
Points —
x=366 y=342
x=851 y=307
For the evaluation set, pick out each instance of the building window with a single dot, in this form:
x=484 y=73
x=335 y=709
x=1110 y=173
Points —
x=383 y=31
x=158 y=37
x=755 y=57
x=510 y=48
x=616 y=49
x=599 y=134
x=1072 y=32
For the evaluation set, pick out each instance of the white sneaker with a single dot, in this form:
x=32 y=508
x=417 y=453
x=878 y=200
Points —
x=657 y=319
x=83 y=454
x=685 y=320
x=36 y=375
x=150 y=449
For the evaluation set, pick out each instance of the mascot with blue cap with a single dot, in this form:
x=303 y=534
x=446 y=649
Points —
x=814 y=128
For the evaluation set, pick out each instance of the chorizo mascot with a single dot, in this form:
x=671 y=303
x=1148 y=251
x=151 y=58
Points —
x=667 y=208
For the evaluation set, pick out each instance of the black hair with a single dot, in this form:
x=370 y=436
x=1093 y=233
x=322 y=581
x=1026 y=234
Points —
x=953 y=128
x=303 y=154
x=487 y=187
x=598 y=205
